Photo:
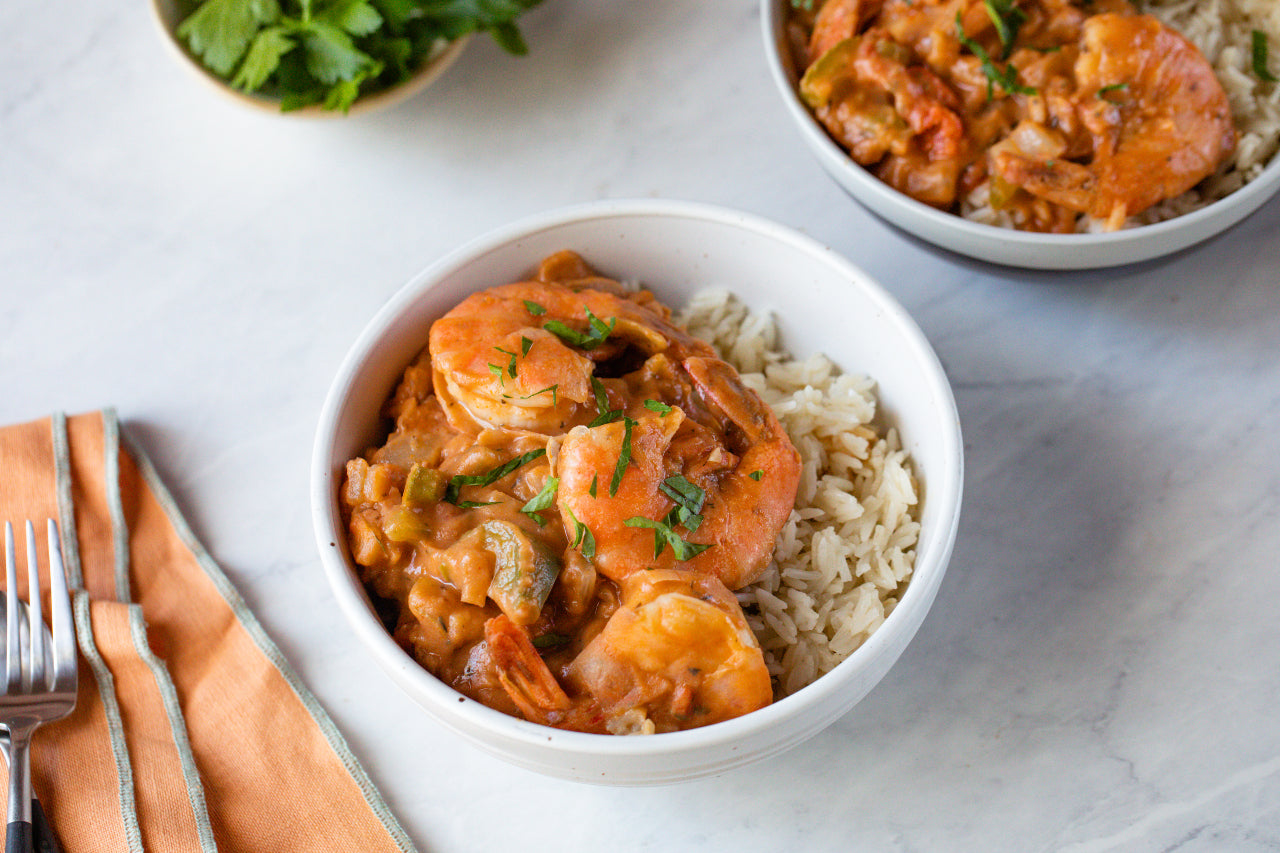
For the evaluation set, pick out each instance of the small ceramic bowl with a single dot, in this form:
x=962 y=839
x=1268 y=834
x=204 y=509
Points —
x=822 y=303
x=987 y=242
x=166 y=15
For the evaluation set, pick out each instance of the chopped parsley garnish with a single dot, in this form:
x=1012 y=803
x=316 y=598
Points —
x=592 y=491
x=1114 y=87
x=1006 y=77
x=511 y=361
x=551 y=388
x=689 y=499
x=605 y=414
x=454 y=490
x=664 y=536
x=657 y=406
x=525 y=345
x=583 y=540
x=1007 y=18
x=602 y=398
x=475 y=504
x=1260 y=69
x=542 y=500
x=598 y=331
x=624 y=457
x=534 y=308
x=756 y=475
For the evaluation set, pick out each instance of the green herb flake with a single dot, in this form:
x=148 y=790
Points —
x=534 y=308
x=583 y=539
x=551 y=388
x=689 y=499
x=592 y=491
x=606 y=418
x=664 y=537
x=688 y=495
x=475 y=504
x=756 y=475
x=1008 y=18
x=525 y=346
x=511 y=361
x=1007 y=77
x=602 y=397
x=1260 y=69
x=657 y=406
x=542 y=500
x=598 y=331
x=624 y=457
x=454 y=490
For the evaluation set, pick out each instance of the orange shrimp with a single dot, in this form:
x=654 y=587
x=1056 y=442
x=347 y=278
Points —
x=741 y=494
x=521 y=356
x=1158 y=116
x=677 y=654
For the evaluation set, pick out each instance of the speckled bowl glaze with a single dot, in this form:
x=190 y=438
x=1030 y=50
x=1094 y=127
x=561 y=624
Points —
x=987 y=242
x=822 y=303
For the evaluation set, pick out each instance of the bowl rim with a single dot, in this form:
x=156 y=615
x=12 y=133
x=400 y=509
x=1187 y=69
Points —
x=165 y=12
x=1111 y=248
x=945 y=487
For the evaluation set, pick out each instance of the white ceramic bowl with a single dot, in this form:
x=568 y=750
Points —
x=986 y=242
x=822 y=303
x=166 y=15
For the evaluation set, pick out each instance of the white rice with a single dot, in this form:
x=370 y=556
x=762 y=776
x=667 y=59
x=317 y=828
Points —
x=846 y=554
x=1223 y=32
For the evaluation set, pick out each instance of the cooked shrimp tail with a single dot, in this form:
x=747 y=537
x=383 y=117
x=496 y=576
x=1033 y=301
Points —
x=528 y=681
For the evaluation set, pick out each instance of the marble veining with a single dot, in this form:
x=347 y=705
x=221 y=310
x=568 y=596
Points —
x=1101 y=671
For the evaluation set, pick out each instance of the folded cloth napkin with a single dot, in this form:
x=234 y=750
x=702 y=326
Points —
x=191 y=732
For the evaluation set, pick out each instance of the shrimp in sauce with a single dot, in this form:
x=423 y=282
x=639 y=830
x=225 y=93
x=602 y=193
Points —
x=1054 y=108
x=569 y=555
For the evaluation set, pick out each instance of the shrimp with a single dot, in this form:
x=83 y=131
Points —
x=522 y=356
x=684 y=496
x=1159 y=120
x=677 y=654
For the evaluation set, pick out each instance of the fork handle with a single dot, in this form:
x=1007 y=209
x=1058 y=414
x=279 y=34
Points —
x=18 y=838
x=44 y=841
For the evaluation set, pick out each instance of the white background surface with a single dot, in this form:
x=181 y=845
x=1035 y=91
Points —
x=1101 y=670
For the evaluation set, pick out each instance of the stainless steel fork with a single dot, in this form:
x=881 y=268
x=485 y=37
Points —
x=40 y=670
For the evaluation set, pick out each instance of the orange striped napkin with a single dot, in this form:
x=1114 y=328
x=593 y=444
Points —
x=191 y=731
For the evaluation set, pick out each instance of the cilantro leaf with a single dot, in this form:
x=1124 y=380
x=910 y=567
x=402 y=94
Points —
x=542 y=500
x=664 y=536
x=262 y=58
x=624 y=457
x=1007 y=77
x=457 y=481
x=220 y=31
x=332 y=52
x=332 y=56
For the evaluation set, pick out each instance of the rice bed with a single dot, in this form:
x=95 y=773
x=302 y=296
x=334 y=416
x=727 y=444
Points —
x=846 y=554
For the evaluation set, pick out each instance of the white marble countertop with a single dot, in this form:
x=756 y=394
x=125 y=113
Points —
x=1101 y=670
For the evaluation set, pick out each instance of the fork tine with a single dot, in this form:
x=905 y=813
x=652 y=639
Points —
x=65 y=650
x=39 y=674
x=13 y=656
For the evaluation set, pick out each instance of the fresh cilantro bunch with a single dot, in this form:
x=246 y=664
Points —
x=330 y=52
